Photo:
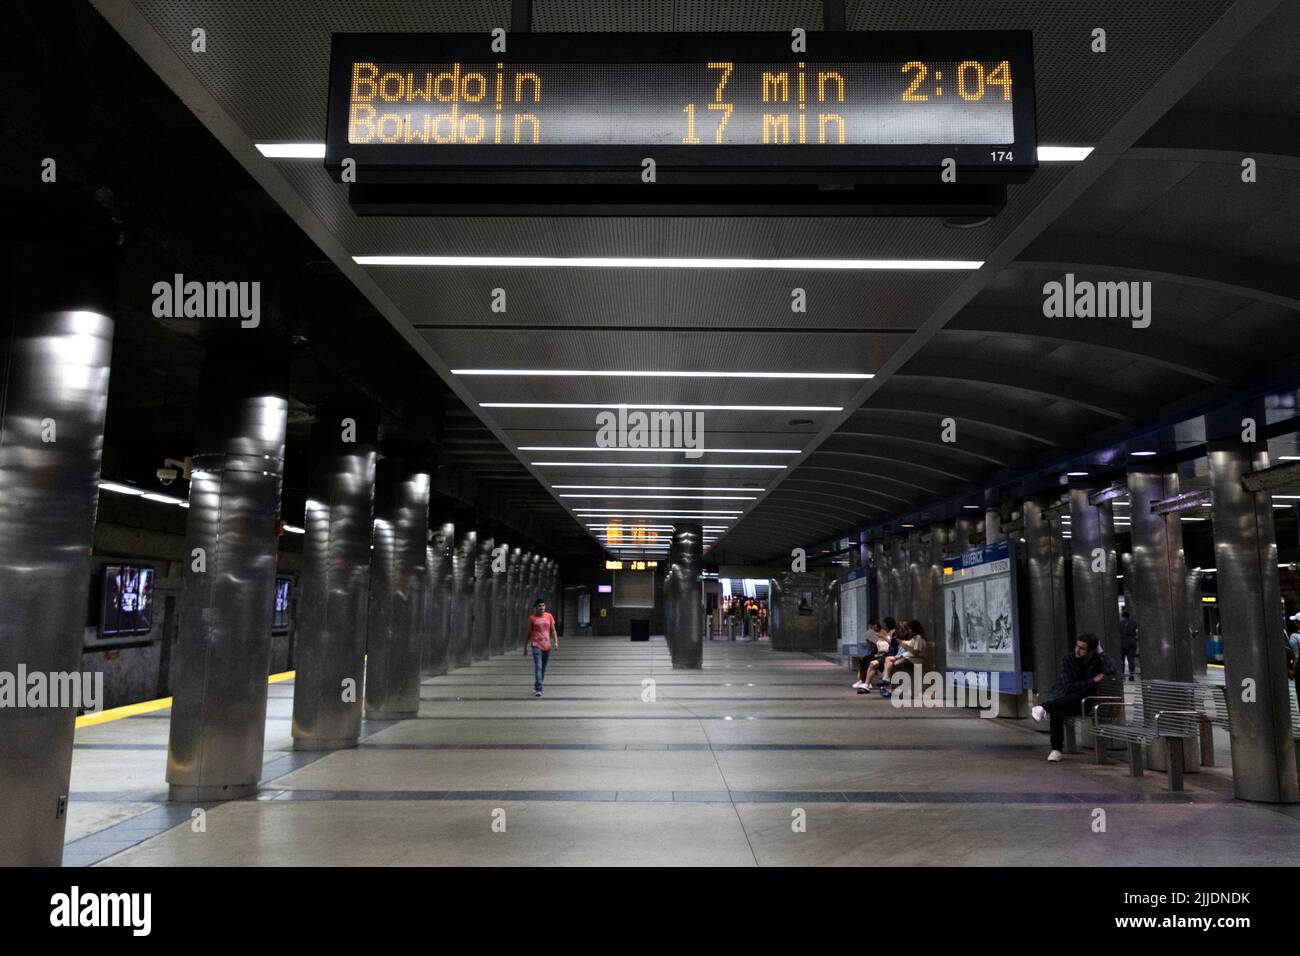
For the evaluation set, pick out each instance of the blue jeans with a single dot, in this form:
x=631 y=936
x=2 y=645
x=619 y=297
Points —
x=539 y=667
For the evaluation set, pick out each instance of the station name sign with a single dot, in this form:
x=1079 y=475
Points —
x=429 y=103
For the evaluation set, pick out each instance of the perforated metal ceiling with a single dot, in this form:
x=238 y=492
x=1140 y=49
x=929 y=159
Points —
x=1025 y=394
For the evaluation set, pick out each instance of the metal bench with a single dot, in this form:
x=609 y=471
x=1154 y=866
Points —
x=1168 y=711
x=1109 y=689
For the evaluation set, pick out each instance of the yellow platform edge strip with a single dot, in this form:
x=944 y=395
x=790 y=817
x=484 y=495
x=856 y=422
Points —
x=149 y=706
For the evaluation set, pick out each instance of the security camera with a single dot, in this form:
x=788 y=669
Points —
x=174 y=468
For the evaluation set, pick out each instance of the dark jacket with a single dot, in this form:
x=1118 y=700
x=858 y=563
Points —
x=1128 y=633
x=1075 y=677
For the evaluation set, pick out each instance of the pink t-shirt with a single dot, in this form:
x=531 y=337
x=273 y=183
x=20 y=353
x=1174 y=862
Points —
x=540 y=629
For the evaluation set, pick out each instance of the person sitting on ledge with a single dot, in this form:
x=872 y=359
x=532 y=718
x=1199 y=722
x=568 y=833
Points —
x=910 y=648
x=1080 y=673
x=872 y=638
x=894 y=633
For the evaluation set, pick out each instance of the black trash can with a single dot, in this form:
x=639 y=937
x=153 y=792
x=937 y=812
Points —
x=640 y=629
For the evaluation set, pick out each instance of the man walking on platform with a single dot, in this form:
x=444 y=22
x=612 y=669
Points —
x=542 y=638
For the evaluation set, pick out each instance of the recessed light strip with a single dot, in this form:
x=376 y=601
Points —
x=671 y=262
x=657 y=373
x=684 y=408
x=638 y=464
x=665 y=451
x=669 y=497
x=647 y=488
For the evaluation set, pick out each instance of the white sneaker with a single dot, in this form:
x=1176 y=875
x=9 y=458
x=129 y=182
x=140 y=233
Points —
x=857 y=684
x=1038 y=713
x=1054 y=756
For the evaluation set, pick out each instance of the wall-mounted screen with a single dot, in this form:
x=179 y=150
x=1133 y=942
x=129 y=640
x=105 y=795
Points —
x=280 y=619
x=127 y=603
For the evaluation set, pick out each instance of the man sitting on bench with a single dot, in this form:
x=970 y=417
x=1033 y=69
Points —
x=1078 y=677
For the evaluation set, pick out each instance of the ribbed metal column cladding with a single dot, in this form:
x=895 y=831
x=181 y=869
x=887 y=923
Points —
x=397 y=583
x=1096 y=593
x=880 y=571
x=54 y=363
x=223 y=652
x=1049 y=626
x=1159 y=584
x=437 y=637
x=498 y=604
x=462 y=599
x=335 y=581
x=1245 y=559
x=515 y=624
x=687 y=642
x=481 y=632
x=940 y=538
x=918 y=570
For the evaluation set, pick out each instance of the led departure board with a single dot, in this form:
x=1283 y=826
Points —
x=727 y=101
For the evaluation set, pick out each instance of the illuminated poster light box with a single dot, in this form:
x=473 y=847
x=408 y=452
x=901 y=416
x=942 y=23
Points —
x=851 y=107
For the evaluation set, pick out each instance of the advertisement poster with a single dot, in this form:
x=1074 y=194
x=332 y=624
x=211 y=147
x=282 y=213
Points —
x=980 y=622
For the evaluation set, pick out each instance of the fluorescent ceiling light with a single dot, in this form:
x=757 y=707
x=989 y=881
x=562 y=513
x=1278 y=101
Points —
x=612 y=512
x=670 y=451
x=671 y=497
x=636 y=464
x=1063 y=154
x=669 y=262
x=120 y=488
x=165 y=499
x=610 y=373
x=294 y=529
x=292 y=150
x=1142 y=454
x=1076 y=474
x=684 y=408
x=651 y=488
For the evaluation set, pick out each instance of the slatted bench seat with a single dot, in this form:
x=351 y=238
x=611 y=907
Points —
x=1169 y=711
x=1110 y=689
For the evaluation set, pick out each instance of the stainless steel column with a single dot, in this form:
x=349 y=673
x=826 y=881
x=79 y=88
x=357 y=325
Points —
x=1195 y=625
x=940 y=536
x=481 y=639
x=335 y=582
x=397 y=583
x=515 y=624
x=438 y=635
x=462 y=600
x=672 y=595
x=1096 y=593
x=497 y=600
x=54 y=364
x=993 y=525
x=899 y=582
x=687 y=643
x=1160 y=577
x=1158 y=582
x=963 y=529
x=918 y=568
x=1250 y=601
x=880 y=572
x=223 y=651
x=1049 y=628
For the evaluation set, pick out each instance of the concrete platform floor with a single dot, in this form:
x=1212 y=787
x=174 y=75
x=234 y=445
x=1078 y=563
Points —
x=761 y=758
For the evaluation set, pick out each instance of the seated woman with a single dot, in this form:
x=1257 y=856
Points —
x=872 y=638
x=887 y=648
x=912 y=648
